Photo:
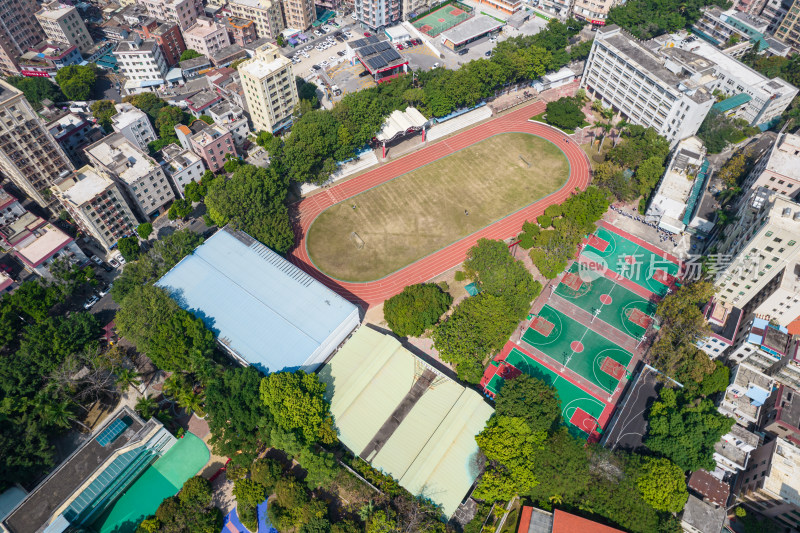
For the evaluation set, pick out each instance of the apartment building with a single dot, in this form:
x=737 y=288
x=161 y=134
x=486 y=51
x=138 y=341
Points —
x=267 y=15
x=134 y=125
x=378 y=13
x=299 y=14
x=269 y=88
x=182 y=166
x=732 y=31
x=788 y=28
x=142 y=179
x=63 y=24
x=212 y=143
x=593 y=11
x=559 y=9
x=167 y=35
x=142 y=63
x=72 y=133
x=771 y=484
x=231 y=117
x=779 y=169
x=650 y=86
x=781 y=414
x=747 y=392
x=182 y=12
x=97 y=205
x=763 y=273
x=770 y=349
x=206 y=37
x=38 y=244
x=732 y=452
x=240 y=31
x=46 y=59
x=724 y=321
x=19 y=31
x=29 y=156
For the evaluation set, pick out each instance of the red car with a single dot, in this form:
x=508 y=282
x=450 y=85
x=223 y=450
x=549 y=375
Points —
x=366 y=34
x=399 y=46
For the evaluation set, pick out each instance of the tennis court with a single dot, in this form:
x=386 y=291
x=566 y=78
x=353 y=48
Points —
x=618 y=307
x=578 y=348
x=442 y=19
x=579 y=409
x=647 y=269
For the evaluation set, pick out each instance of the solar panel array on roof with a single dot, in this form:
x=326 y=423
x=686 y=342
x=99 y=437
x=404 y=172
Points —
x=114 y=430
x=379 y=56
x=366 y=40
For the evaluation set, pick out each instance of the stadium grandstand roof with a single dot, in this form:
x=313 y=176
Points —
x=267 y=312
x=406 y=418
x=400 y=122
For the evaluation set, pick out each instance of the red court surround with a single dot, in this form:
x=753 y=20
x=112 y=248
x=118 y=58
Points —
x=374 y=292
x=605 y=299
x=576 y=346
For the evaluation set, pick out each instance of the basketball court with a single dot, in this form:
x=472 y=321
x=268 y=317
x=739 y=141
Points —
x=640 y=265
x=442 y=19
x=578 y=348
x=580 y=410
x=610 y=302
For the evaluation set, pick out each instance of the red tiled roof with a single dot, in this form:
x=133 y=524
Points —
x=794 y=327
x=710 y=488
x=570 y=523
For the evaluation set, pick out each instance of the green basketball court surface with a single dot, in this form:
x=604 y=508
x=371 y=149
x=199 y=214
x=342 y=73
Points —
x=614 y=301
x=442 y=19
x=630 y=260
x=573 y=398
x=578 y=348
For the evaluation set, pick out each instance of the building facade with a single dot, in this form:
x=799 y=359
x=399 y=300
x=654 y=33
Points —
x=299 y=14
x=134 y=124
x=46 y=59
x=182 y=166
x=232 y=118
x=748 y=391
x=167 y=35
x=19 y=31
x=71 y=132
x=267 y=15
x=38 y=244
x=593 y=11
x=143 y=180
x=142 y=63
x=182 y=12
x=29 y=156
x=788 y=29
x=240 y=31
x=63 y=24
x=781 y=414
x=213 y=144
x=270 y=89
x=378 y=13
x=206 y=37
x=96 y=204
x=778 y=170
x=646 y=90
x=771 y=484
x=762 y=245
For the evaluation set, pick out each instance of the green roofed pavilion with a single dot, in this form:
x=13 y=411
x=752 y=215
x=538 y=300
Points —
x=406 y=418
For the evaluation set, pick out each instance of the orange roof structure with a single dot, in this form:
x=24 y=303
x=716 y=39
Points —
x=535 y=520
x=794 y=327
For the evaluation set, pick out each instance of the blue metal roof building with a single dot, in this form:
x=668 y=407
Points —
x=265 y=311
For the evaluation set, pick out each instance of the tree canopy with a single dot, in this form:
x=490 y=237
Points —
x=685 y=430
x=189 y=54
x=663 y=485
x=191 y=511
x=37 y=89
x=416 y=309
x=103 y=110
x=646 y=19
x=565 y=113
x=297 y=404
x=76 y=81
x=129 y=248
x=531 y=400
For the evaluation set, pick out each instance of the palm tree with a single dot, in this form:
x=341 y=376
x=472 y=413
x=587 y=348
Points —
x=146 y=406
x=60 y=414
x=606 y=127
x=191 y=402
x=174 y=384
x=127 y=378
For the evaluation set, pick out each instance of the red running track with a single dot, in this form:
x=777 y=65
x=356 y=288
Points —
x=374 y=292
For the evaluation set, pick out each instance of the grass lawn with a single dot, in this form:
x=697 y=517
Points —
x=422 y=211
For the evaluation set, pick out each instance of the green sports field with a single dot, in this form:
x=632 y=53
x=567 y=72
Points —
x=578 y=348
x=614 y=301
x=572 y=397
x=388 y=227
x=442 y=19
x=634 y=262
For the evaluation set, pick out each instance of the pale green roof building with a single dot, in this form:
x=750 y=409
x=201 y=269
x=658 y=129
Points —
x=406 y=418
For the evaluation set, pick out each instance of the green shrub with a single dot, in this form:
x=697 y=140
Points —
x=526 y=241
x=460 y=276
x=416 y=309
x=531 y=229
x=544 y=221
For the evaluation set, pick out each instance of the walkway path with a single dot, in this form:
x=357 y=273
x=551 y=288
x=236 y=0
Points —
x=368 y=293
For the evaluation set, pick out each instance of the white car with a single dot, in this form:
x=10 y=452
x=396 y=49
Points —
x=317 y=33
x=353 y=16
x=306 y=55
x=90 y=302
x=308 y=47
x=96 y=260
x=332 y=59
x=323 y=63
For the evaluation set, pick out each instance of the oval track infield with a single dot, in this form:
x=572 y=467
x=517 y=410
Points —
x=388 y=227
x=373 y=292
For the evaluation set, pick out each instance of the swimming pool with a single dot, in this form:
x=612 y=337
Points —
x=161 y=480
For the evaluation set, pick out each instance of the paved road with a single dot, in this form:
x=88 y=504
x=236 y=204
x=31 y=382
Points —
x=365 y=294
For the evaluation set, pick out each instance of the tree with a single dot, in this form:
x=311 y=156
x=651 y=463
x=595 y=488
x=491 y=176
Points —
x=196 y=492
x=478 y=327
x=416 y=309
x=208 y=120
x=565 y=113
x=253 y=201
x=148 y=102
x=248 y=493
x=168 y=117
x=127 y=378
x=144 y=230
x=147 y=407
x=296 y=402
x=717 y=381
x=180 y=208
x=321 y=468
x=37 y=89
x=734 y=169
x=237 y=418
x=191 y=402
x=266 y=472
x=103 y=110
x=532 y=400
x=76 y=81
x=307 y=91
x=663 y=485
x=684 y=430
x=189 y=54
x=129 y=248
x=490 y=264
x=172 y=338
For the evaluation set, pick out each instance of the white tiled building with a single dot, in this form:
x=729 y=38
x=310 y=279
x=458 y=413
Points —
x=183 y=12
x=732 y=452
x=206 y=37
x=144 y=181
x=267 y=15
x=748 y=391
x=231 y=117
x=778 y=170
x=182 y=166
x=134 y=124
x=142 y=63
x=63 y=24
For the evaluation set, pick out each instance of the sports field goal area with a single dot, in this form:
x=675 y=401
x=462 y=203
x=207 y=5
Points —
x=443 y=18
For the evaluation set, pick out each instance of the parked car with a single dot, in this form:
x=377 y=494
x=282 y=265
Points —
x=90 y=302
x=5 y=268
x=363 y=73
x=113 y=262
x=103 y=290
x=488 y=53
x=353 y=16
x=399 y=46
x=463 y=51
x=96 y=260
x=340 y=53
x=107 y=268
x=366 y=34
